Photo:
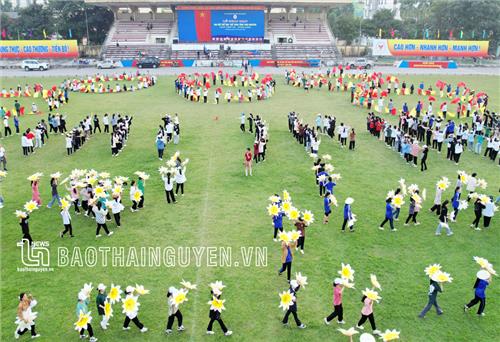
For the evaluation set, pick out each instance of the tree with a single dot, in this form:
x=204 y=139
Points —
x=343 y=23
x=6 y=6
x=384 y=20
x=58 y=17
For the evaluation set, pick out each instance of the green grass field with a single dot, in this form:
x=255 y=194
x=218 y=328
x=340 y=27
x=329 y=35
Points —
x=223 y=208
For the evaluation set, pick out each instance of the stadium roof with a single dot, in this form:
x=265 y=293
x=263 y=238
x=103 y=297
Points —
x=167 y=3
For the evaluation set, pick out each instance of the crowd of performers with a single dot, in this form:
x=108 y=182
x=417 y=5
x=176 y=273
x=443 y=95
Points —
x=197 y=87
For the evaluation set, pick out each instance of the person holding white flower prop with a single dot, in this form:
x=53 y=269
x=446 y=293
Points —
x=443 y=220
x=488 y=211
x=301 y=226
x=100 y=213
x=397 y=202
x=116 y=208
x=482 y=282
x=216 y=307
x=168 y=181
x=53 y=186
x=131 y=309
x=180 y=178
x=327 y=207
x=292 y=308
x=434 y=289
x=135 y=196
x=100 y=300
x=175 y=297
x=388 y=215
x=84 y=318
x=24 y=223
x=140 y=186
x=277 y=222
x=287 y=246
x=437 y=201
x=415 y=206
x=455 y=202
x=367 y=311
x=338 y=289
x=348 y=216
x=25 y=316
x=478 y=209
x=66 y=217
x=471 y=185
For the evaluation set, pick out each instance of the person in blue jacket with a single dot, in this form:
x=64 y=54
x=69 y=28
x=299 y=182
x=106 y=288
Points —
x=455 y=202
x=277 y=224
x=330 y=185
x=327 y=206
x=322 y=183
x=482 y=281
x=347 y=214
x=388 y=215
x=160 y=145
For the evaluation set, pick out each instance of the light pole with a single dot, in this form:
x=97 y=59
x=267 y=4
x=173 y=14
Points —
x=86 y=24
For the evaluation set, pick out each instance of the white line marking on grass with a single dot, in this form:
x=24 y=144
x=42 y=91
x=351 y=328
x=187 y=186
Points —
x=203 y=229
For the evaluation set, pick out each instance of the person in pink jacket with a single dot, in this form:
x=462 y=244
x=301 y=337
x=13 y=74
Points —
x=35 y=193
x=414 y=151
x=338 y=311
x=367 y=314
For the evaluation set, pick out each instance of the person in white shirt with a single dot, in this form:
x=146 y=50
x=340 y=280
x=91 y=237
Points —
x=25 y=144
x=100 y=218
x=7 y=130
x=169 y=187
x=66 y=217
x=180 y=179
x=116 y=208
x=458 y=151
x=471 y=185
x=242 y=122
x=488 y=212
x=69 y=144
x=205 y=95
x=105 y=122
x=3 y=158
x=169 y=129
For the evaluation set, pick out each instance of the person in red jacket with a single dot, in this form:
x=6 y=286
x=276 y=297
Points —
x=248 y=162
x=256 y=151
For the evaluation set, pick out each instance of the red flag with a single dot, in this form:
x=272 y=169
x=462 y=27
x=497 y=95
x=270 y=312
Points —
x=432 y=98
x=203 y=25
x=461 y=84
x=21 y=111
x=455 y=100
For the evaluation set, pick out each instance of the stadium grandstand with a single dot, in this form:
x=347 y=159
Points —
x=266 y=32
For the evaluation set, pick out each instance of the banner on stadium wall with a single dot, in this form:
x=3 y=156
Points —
x=289 y=62
x=430 y=48
x=203 y=24
x=38 y=49
x=428 y=64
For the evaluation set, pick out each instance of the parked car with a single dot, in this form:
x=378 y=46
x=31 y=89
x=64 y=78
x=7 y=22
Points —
x=148 y=62
x=106 y=64
x=33 y=64
x=362 y=63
